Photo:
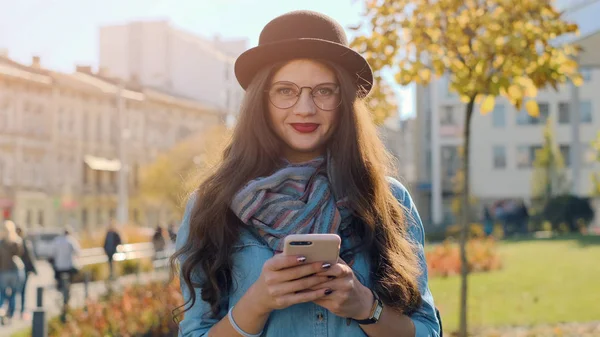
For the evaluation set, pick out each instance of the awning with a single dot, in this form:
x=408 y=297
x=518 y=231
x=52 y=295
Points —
x=102 y=164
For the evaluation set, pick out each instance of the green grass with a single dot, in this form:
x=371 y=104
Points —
x=22 y=333
x=543 y=281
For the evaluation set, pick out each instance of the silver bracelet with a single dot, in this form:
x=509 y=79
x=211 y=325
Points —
x=237 y=328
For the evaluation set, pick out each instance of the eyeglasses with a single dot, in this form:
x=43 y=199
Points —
x=285 y=95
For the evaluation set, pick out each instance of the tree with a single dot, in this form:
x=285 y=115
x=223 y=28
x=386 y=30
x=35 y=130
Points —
x=487 y=48
x=549 y=177
x=382 y=101
x=457 y=188
x=174 y=174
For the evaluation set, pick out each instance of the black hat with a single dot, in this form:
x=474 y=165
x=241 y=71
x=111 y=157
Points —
x=303 y=34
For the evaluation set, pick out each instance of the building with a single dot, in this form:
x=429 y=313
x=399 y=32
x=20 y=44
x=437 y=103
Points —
x=65 y=139
x=161 y=56
x=503 y=142
x=398 y=137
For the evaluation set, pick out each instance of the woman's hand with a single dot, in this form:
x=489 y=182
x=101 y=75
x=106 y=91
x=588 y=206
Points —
x=287 y=280
x=347 y=297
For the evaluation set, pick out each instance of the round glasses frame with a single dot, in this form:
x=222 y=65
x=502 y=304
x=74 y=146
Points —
x=299 y=93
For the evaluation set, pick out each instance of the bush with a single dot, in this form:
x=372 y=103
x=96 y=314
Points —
x=100 y=272
x=475 y=231
x=129 y=234
x=97 y=272
x=444 y=260
x=139 y=311
x=568 y=213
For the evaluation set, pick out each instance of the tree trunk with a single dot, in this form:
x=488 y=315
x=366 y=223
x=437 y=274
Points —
x=464 y=271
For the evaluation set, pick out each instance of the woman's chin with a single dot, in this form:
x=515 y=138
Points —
x=304 y=151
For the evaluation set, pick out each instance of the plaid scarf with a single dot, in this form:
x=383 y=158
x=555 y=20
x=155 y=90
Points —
x=296 y=199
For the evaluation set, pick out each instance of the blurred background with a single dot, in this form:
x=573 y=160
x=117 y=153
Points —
x=111 y=112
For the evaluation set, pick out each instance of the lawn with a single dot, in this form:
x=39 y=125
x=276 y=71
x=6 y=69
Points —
x=542 y=281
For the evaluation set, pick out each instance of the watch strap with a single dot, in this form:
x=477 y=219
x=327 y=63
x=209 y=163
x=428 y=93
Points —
x=375 y=312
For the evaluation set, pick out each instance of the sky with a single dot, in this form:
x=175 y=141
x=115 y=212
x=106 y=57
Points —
x=65 y=32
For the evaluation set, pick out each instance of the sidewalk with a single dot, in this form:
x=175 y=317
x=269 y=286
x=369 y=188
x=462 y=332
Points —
x=53 y=299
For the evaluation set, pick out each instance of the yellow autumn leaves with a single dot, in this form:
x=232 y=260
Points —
x=487 y=48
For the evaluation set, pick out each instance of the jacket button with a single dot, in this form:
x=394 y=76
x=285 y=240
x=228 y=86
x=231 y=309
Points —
x=320 y=317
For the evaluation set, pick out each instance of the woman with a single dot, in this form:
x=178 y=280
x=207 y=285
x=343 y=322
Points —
x=11 y=266
x=304 y=158
x=28 y=259
x=159 y=242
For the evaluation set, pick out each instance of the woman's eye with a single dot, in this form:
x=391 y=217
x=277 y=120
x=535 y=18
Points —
x=285 y=91
x=324 y=92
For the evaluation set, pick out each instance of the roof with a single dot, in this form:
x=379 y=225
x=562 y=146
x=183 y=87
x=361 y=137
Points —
x=93 y=82
x=108 y=85
x=164 y=96
x=68 y=80
x=590 y=55
x=11 y=68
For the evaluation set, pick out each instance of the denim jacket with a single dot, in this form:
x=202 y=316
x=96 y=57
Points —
x=306 y=319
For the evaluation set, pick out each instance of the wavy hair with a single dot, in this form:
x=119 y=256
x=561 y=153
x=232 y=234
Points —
x=254 y=151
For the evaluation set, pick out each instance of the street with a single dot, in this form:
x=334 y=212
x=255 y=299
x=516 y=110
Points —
x=52 y=300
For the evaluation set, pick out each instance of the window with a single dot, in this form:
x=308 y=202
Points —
x=86 y=174
x=84 y=217
x=499 y=116
x=98 y=178
x=585 y=112
x=523 y=118
x=565 y=152
x=84 y=125
x=447 y=116
x=526 y=155
x=40 y=218
x=113 y=178
x=135 y=170
x=586 y=73
x=544 y=112
x=563 y=113
x=450 y=161
x=8 y=175
x=99 y=130
x=499 y=157
x=99 y=219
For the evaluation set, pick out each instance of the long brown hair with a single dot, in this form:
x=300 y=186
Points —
x=254 y=151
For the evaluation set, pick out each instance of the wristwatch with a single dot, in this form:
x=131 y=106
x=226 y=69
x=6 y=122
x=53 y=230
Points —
x=375 y=312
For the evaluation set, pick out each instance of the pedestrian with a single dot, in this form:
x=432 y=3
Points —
x=112 y=240
x=158 y=242
x=29 y=263
x=65 y=249
x=172 y=232
x=488 y=221
x=522 y=217
x=12 y=269
x=304 y=157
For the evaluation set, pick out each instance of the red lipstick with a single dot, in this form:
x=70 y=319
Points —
x=305 y=127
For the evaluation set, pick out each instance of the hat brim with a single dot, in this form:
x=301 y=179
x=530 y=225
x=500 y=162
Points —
x=254 y=59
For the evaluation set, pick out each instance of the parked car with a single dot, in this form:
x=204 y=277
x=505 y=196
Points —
x=41 y=241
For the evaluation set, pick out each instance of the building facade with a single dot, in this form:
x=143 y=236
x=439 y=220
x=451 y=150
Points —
x=398 y=137
x=65 y=138
x=503 y=142
x=159 y=55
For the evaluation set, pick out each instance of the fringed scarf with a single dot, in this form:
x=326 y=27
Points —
x=296 y=199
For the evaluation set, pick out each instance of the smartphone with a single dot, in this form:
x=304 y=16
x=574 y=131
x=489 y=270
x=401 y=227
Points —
x=315 y=247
